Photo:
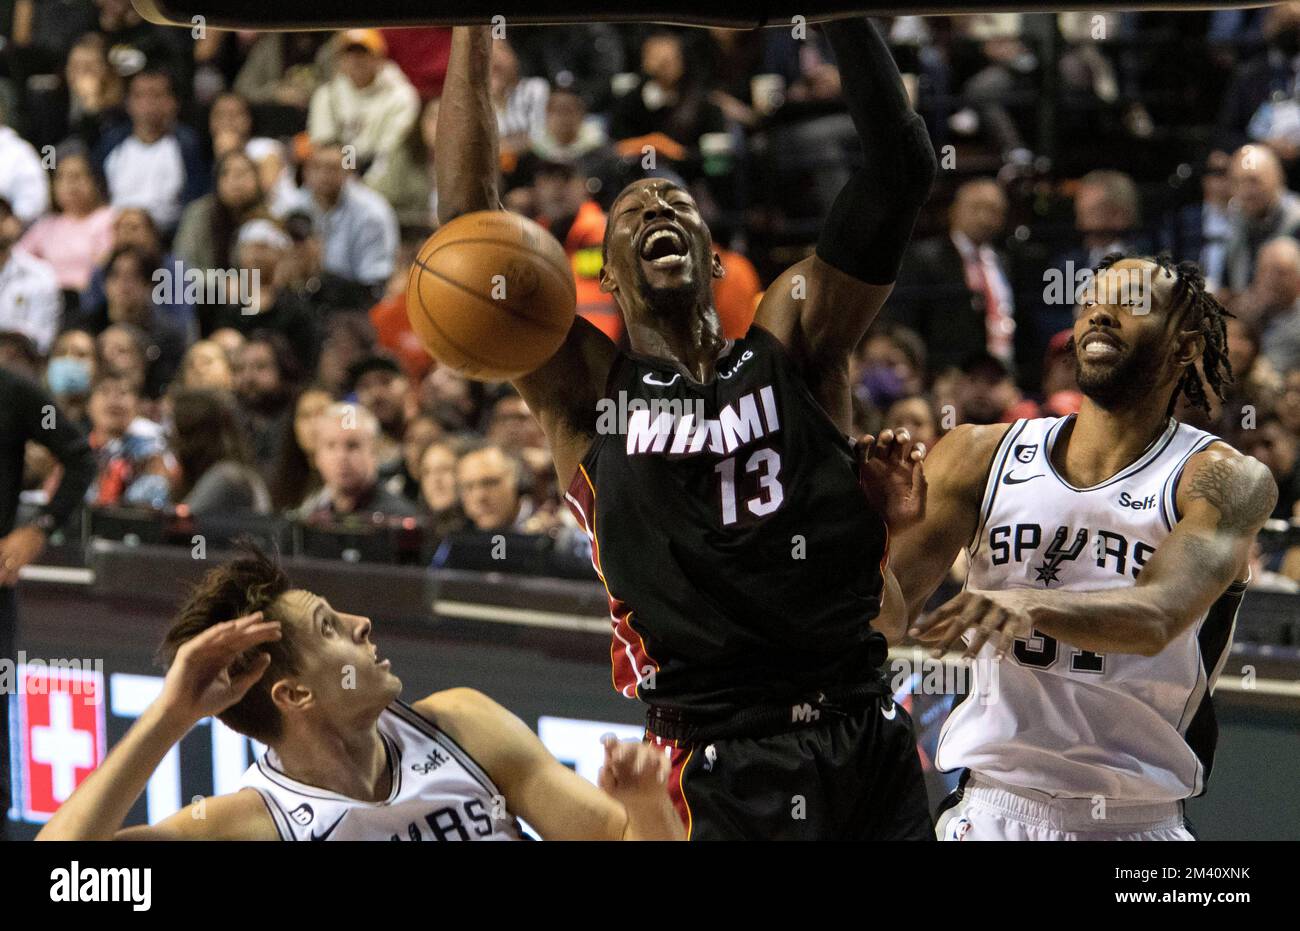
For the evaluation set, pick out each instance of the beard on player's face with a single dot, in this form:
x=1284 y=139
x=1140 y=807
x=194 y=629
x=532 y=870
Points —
x=672 y=293
x=1127 y=380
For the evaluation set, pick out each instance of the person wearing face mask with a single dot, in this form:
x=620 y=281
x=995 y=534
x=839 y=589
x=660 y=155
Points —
x=69 y=373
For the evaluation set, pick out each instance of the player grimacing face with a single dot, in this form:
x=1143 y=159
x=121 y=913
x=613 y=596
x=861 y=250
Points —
x=341 y=675
x=659 y=249
x=1125 y=347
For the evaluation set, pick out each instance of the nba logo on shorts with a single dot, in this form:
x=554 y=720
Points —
x=1025 y=452
x=959 y=829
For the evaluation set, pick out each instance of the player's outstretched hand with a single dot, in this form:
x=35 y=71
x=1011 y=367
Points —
x=892 y=477
x=635 y=773
x=203 y=679
x=998 y=618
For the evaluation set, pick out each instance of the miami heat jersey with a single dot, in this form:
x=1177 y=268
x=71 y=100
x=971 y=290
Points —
x=741 y=559
x=438 y=793
x=1065 y=721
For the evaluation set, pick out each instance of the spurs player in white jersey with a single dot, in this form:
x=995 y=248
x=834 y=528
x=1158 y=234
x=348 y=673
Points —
x=1107 y=557
x=346 y=759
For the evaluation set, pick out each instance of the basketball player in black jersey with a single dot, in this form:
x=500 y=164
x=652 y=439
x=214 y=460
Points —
x=283 y=666
x=743 y=562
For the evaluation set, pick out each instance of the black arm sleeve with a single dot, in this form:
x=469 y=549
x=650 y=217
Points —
x=871 y=221
x=44 y=423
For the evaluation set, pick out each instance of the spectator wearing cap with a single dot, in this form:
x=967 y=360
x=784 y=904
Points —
x=346 y=438
x=358 y=229
x=78 y=234
x=381 y=387
x=30 y=301
x=368 y=104
x=260 y=247
x=22 y=178
x=954 y=290
x=153 y=161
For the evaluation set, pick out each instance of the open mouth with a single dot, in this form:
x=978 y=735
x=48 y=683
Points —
x=1100 y=346
x=664 y=246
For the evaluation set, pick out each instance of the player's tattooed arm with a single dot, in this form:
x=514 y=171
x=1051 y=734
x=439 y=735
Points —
x=1224 y=499
x=466 y=152
x=1239 y=489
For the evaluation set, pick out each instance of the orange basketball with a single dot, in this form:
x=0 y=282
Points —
x=491 y=294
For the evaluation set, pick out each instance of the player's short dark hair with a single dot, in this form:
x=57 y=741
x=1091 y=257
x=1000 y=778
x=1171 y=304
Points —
x=1193 y=307
x=252 y=581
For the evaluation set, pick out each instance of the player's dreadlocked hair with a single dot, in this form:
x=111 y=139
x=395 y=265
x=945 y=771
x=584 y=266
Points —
x=1194 y=308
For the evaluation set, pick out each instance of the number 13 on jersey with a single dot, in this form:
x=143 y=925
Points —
x=764 y=465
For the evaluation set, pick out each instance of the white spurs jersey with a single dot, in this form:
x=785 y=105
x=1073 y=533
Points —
x=1064 y=721
x=438 y=793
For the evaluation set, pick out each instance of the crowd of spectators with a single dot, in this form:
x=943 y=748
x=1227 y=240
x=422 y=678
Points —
x=204 y=242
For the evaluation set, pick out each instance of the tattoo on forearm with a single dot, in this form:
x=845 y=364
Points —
x=1243 y=496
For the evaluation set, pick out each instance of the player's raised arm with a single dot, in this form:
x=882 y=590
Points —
x=466 y=150
x=564 y=392
x=843 y=286
x=556 y=801
x=198 y=684
x=1224 y=498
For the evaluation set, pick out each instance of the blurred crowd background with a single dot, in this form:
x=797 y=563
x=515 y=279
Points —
x=305 y=408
